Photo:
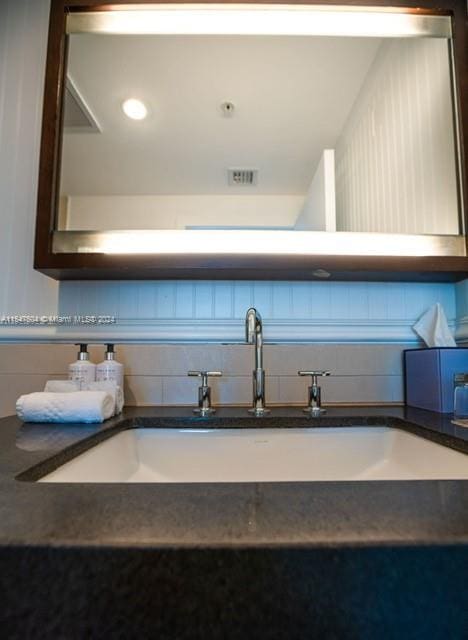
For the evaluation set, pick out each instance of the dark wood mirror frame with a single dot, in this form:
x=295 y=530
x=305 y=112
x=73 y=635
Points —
x=99 y=266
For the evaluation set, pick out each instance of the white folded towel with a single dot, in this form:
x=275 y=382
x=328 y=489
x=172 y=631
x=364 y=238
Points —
x=61 y=386
x=81 y=406
x=110 y=386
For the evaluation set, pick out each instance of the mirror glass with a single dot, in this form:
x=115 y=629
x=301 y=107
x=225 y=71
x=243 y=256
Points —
x=226 y=132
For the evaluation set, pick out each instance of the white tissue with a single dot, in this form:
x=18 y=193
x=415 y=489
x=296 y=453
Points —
x=79 y=406
x=433 y=328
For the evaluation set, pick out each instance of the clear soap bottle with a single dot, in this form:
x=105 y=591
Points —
x=460 y=400
x=110 y=369
x=82 y=371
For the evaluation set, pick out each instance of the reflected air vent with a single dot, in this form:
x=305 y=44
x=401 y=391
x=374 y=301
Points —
x=77 y=117
x=242 y=177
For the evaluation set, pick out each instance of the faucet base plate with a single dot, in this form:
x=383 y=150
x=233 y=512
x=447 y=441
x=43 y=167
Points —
x=316 y=411
x=205 y=412
x=258 y=412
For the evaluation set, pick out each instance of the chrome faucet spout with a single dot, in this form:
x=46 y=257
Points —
x=253 y=325
x=254 y=335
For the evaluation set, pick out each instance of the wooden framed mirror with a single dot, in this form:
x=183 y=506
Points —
x=269 y=141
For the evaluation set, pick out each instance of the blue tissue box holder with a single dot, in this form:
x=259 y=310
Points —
x=429 y=376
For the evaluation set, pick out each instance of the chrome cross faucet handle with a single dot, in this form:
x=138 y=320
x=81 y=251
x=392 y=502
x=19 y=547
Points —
x=204 y=391
x=315 y=395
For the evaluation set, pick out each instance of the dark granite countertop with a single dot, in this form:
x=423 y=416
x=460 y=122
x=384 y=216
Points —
x=240 y=515
x=264 y=561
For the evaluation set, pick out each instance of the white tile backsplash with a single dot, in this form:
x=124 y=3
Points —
x=358 y=389
x=293 y=389
x=234 y=390
x=157 y=374
x=143 y=390
x=12 y=386
x=179 y=390
x=289 y=359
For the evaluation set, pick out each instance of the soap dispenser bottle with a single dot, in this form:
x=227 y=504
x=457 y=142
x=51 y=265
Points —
x=82 y=371
x=110 y=369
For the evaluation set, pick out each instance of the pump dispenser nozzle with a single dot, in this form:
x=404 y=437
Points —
x=83 y=352
x=110 y=354
x=82 y=371
x=110 y=369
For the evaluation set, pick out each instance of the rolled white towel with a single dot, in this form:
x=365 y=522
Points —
x=61 y=386
x=67 y=386
x=81 y=406
x=110 y=386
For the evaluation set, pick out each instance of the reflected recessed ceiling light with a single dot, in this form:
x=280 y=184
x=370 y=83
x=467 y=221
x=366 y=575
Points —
x=135 y=109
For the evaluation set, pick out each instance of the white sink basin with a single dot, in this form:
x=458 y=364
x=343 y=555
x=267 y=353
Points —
x=263 y=455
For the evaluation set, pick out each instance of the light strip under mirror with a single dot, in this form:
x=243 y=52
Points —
x=254 y=19
x=306 y=243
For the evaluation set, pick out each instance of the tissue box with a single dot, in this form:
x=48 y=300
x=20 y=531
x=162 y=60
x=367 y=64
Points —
x=429 y=376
